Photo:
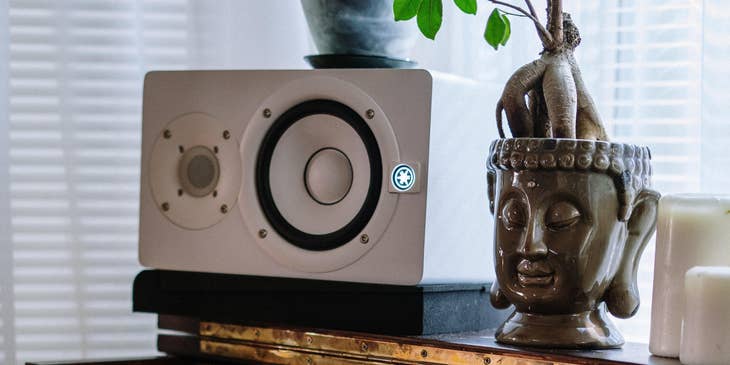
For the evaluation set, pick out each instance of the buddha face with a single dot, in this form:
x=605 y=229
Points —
x=559 y=241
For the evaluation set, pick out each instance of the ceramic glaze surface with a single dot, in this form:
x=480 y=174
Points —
x=557 y=251
x=346 y=27
x=568 y=238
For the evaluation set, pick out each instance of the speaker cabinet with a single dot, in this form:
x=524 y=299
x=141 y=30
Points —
x=370 y=176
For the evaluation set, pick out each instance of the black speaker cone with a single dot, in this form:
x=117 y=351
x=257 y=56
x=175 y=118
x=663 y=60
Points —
x=345 y=234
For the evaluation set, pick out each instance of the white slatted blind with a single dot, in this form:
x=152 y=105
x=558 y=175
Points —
x=69 y=152
x=75 y=79
x=657 y=86
x=7 y=333
x=715 y=132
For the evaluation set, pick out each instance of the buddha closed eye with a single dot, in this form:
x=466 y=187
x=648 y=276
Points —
x=514 y=215
x=561 y=216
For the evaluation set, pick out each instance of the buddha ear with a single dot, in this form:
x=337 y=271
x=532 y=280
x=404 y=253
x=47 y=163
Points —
x=622 y=296
x=491 y=181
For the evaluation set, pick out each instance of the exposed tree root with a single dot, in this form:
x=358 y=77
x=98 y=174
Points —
x=538 y=111
x=513 y=98
x=559 y=103
x=588 y=122
x=560 y=96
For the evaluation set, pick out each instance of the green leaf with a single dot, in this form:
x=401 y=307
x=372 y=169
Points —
x=430 y=14
x=467 y=6
x=497 y=29
x=405 y=9
x=508 y=30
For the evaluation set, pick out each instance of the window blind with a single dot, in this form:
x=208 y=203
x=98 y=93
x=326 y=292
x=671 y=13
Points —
x=7 y=334
x=75 y=79
x=715 y=167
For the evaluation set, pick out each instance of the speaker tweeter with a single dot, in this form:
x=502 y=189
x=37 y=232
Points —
x=195 y=171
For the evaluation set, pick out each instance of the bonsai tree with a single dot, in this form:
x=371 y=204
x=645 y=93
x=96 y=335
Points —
x=558 y=104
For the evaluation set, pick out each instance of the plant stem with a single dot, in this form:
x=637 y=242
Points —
x=513 y=14
x=555 y=23
x=531 y=8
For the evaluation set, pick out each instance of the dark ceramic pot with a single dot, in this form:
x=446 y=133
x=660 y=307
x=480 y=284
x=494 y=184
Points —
x=572 y=218
x=358 y=27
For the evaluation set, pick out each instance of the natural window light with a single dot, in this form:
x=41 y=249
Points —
x=70 y=131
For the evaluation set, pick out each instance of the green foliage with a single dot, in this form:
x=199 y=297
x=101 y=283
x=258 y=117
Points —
x=508 y=30
x=467 y=6
x=405 y=9
x=498 y=29
x=429 y=16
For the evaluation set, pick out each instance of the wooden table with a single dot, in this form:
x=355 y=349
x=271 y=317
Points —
x=190 y=340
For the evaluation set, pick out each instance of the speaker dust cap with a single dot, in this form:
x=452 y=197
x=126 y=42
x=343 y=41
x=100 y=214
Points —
x=328 y=176
x=195 y=171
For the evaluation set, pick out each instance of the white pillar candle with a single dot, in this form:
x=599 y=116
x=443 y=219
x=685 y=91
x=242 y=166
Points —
x=706 y=327
x=692 y=230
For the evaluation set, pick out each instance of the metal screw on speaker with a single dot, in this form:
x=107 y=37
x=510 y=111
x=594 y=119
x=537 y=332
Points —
x=267 y=113
x=263 y=233
x=424 y=353
x=224 y=209
x=165 y=206
x=364 y=239
x=370 y=113
x=167 y=134
x=226 y=134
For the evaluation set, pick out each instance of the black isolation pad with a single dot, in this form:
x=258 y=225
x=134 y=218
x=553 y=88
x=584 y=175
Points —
x=372 y=308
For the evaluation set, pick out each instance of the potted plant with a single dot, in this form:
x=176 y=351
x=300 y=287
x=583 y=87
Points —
x=573 y=212
x=357 y=34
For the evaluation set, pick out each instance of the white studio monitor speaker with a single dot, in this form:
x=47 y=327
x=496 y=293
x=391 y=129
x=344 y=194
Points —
x=373 y=176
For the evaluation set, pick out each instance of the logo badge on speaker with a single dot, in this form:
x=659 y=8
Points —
x=403 y=178
x=349 y=175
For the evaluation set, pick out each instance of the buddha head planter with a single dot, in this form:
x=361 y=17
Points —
x=572 y=218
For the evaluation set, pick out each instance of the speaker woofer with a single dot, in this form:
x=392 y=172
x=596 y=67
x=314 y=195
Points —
x=293 y=235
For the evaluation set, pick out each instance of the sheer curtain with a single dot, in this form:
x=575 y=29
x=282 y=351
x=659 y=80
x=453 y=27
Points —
x=69 y=131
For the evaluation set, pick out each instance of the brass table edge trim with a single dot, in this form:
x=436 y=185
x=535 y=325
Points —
x=245 y=341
